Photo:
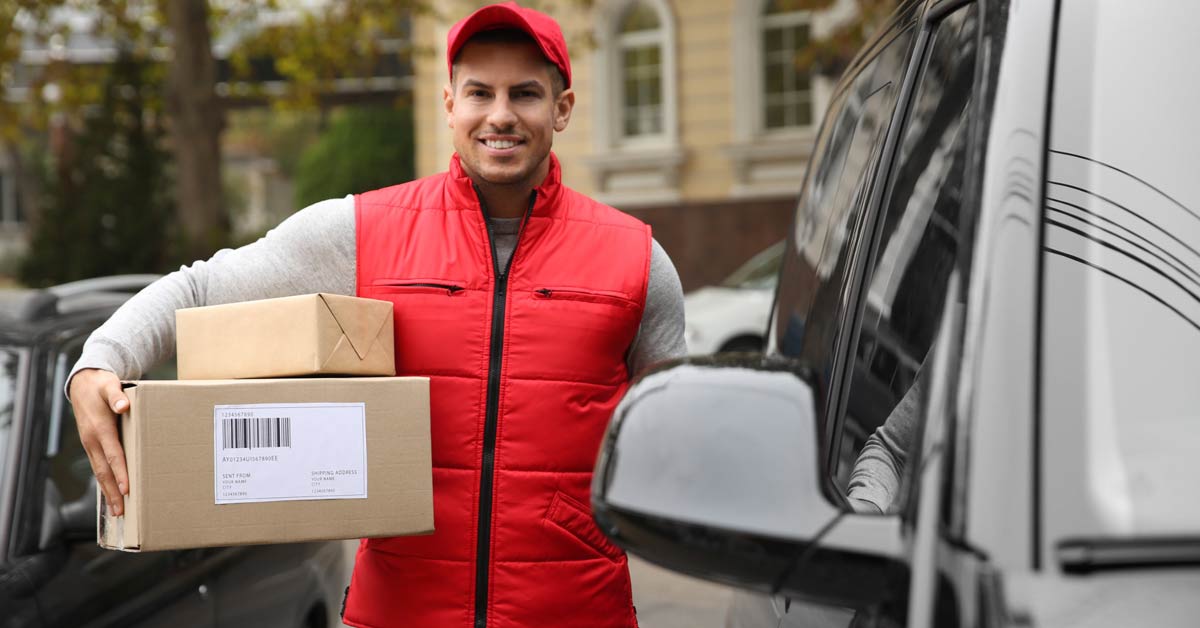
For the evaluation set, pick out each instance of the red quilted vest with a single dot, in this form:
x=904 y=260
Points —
x=525 y=370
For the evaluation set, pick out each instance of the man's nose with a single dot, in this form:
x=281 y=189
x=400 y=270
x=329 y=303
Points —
x=501 y=115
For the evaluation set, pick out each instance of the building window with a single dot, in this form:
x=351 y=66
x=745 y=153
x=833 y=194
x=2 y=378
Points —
x=640 y=45
x=637 y=156
x=779 y=101
x=787 y=85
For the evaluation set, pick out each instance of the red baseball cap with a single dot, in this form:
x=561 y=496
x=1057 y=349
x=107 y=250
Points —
x=541 y=27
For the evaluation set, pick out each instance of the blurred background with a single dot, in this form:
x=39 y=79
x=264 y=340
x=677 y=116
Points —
x=136 y=136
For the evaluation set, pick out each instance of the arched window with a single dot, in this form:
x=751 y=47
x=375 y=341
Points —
x=787 y=96
x=636 y=126
x=639 y=44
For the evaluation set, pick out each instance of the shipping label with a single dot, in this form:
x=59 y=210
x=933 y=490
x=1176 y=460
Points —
x=267 y=452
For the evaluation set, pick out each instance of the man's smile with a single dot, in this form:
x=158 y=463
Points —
x=501 y=144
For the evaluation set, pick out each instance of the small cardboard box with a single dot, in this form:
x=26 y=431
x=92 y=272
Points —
x=312 y=334
x=237 y=462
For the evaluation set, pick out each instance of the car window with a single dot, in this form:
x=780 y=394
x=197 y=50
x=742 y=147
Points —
x=914 y=252
x=809 y=304
x=69 y=467
x=760 y=272
x=10 y=362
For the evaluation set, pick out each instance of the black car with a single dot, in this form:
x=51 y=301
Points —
x=1001 y=225
x=52 y=572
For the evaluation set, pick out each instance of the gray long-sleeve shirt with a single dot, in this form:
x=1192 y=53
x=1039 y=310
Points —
x=880 y=465
x=314 y=250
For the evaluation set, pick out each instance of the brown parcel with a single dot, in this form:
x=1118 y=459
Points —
x=170 y=442
x=313 y=334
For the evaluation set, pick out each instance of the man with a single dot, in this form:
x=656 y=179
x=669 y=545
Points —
x=527 y=304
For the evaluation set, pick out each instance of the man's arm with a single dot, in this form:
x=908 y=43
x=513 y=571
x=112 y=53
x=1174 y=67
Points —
x=660 y=335
x=875 y=480
x=312 y=251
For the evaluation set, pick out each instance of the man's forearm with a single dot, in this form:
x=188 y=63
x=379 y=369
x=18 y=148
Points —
x=312 y=251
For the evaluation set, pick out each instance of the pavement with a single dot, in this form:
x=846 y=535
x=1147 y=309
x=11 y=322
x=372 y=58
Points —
x=664 y=599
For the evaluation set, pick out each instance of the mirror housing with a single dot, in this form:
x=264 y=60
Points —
x=711 y=467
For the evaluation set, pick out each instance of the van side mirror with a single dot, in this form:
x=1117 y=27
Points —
x=712 y=467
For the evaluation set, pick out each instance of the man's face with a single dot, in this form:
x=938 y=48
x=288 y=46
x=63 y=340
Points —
x=503 y=112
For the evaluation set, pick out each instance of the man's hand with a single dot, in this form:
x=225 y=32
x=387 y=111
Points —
x=97 y=398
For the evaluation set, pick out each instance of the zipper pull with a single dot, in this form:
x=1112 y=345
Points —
x=544 y=293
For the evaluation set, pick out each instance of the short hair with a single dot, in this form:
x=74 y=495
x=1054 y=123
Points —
x=558 y=84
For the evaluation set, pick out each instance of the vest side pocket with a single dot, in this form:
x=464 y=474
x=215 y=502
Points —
x=573 y=518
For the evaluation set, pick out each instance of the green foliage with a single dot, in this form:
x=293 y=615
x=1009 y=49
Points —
x=281 y=134
x=328 y=41
x=107 y=205
x=364 y=149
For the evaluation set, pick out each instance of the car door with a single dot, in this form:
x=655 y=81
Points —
x=97 y=587
x=888 y=433
x=20 y=607
x=881 y=274
x=810 y=300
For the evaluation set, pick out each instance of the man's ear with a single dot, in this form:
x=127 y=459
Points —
x=448 y=103
x=562 y=109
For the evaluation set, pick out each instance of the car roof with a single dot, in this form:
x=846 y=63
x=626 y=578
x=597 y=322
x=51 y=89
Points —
x=27 y=314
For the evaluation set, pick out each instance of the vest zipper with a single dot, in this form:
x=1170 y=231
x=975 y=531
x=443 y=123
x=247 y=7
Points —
x=492 y=411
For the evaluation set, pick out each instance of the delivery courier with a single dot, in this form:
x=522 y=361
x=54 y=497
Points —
x=527 y=305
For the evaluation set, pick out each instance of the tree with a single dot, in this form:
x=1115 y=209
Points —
x=308 y=48
x=363 y=149
x=108 y=203
x=831 y=53
x=196 y=123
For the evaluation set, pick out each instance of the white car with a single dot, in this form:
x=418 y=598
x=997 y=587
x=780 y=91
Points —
x=732 y=316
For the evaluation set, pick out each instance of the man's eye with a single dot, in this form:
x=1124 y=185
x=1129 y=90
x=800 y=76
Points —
x=525 y=94
x=476 y=93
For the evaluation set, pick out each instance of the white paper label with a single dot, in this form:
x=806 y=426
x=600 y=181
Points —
x=269 y=452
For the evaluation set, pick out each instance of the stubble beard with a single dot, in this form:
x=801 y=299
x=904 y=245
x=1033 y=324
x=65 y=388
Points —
x=523 y=177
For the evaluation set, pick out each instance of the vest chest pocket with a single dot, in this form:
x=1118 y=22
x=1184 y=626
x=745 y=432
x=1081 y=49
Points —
x=576 y=334
x=436 y=322
x=418 y=286
x=585 y=295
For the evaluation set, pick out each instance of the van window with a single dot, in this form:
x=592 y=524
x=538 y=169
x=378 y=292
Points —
x=914 y=252
x=816 y=259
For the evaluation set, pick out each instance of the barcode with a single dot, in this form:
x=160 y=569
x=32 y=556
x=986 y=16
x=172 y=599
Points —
x=256 y=433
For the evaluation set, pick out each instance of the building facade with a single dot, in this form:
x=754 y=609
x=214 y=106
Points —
x=692 y=116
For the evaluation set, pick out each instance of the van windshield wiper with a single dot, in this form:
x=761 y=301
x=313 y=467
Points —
x=1082 y=556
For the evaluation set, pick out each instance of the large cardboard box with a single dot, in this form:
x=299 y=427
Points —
x=232 y=462
x=312 y=334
